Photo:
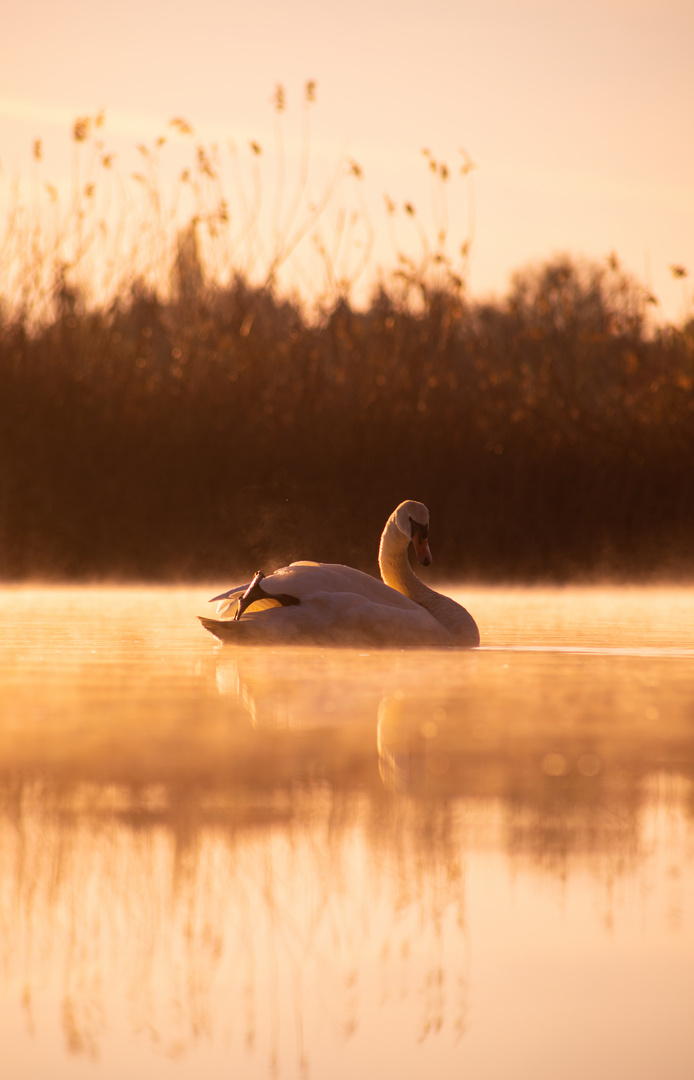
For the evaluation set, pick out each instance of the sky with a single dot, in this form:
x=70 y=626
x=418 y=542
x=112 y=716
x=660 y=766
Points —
x=577 y=115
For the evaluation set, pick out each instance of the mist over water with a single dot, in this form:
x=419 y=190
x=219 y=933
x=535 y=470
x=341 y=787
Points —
x=311 y=862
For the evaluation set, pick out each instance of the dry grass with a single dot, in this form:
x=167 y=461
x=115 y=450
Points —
x=184 y=418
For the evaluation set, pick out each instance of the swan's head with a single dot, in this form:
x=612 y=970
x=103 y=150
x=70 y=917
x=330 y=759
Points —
x=412 y=519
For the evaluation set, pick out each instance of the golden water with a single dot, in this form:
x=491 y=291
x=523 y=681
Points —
x=306 y=863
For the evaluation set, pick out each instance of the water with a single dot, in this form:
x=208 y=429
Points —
x=308 y=863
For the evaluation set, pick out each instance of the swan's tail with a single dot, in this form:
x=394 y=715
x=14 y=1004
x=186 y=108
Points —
x=226 y=629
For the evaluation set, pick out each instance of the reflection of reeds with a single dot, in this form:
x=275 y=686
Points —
x=249 y=936
x=262 y=935
x=198 y=421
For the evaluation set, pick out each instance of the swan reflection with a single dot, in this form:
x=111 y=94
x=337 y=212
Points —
x=409 y=750
x=301 y=690
x=319 y=690
x=461 y=726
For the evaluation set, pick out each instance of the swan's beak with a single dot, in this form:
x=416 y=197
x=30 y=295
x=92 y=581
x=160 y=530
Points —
x=421 y=550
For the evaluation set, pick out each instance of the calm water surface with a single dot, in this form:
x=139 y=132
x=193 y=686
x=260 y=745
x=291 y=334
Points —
x=340 y=863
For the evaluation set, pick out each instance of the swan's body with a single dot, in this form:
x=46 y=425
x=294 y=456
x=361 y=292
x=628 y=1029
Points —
x=326 y=603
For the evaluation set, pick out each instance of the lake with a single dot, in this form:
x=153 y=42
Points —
x=308 y=863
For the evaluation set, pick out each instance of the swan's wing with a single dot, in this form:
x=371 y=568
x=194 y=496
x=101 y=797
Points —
x=238 y=590
x=227 y=602
x=304 y=580
x=235 y=591
x=333 y=619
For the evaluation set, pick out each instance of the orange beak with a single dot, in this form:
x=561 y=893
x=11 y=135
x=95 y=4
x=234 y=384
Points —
x=421 y=550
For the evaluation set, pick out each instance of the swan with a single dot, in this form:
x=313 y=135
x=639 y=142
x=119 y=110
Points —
x=326 y=603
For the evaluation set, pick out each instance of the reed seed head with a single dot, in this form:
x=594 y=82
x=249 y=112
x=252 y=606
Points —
x=181 y=126
x=80 y=130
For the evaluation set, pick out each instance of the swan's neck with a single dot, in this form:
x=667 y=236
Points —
x=395 y=566
x=397 y=572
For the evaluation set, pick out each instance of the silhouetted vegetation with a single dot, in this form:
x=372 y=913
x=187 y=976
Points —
x=214 y=426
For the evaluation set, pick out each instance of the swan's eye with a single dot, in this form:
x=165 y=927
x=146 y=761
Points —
x=419 y=530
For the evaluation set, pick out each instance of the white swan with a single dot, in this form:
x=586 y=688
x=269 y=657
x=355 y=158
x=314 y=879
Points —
x=326 y=603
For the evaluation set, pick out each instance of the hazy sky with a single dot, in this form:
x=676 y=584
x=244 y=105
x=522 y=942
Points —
x=578 y=115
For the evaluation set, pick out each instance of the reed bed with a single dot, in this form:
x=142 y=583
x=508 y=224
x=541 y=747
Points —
x=170 y=411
